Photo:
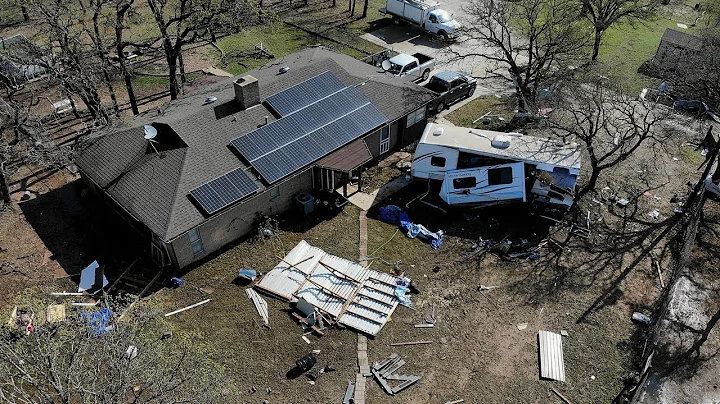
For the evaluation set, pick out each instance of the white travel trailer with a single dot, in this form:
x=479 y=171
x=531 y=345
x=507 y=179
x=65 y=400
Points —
x=476 y=166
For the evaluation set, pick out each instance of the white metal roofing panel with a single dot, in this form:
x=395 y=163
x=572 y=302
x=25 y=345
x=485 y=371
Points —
x=358 y=297
x=552 y=365
x=526 y=148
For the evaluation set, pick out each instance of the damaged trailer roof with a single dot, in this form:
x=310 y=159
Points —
x=356 y=296
x=524 y=148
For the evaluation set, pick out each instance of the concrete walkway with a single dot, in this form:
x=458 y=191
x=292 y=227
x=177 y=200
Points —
x=363 y=363
x=366 y=201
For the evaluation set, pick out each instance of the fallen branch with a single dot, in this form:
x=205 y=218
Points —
x=567 y=401
x=411 y=343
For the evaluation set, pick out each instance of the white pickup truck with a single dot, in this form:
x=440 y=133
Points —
x=424 y=13
x=417 y=66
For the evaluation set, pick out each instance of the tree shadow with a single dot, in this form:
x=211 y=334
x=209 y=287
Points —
x=79 y=228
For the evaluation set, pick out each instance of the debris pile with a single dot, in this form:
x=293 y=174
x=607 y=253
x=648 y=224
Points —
x=384 y=372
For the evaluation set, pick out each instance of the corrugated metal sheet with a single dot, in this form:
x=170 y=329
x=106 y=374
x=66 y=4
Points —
x=552 y=365
x=357 y=297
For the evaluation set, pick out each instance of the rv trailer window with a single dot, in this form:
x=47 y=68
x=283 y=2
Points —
x=437 y=161
x=465 y=182
x=500 y=176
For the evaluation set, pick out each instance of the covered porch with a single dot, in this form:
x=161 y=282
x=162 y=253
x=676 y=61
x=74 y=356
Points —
x=342 y=169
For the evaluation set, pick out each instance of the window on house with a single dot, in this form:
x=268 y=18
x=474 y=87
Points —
x=196 y=242
x=275 y=192
x=415 y=117
x=465 y=182
x=500 y=176
x=437 y=161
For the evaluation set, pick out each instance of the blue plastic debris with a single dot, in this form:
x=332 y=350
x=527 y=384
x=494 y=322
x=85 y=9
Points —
x=97 y=320
x=393 y=214
x=248 y=275
x=176 y=282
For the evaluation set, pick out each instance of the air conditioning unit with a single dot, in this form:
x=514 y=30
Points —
x=305 y=203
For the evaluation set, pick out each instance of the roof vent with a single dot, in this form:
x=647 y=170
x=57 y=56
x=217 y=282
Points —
x=210 y=100
x=438 y=131
x=283 y=70
x=501 y=141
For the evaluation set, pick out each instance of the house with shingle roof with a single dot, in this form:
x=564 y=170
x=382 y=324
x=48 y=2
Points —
x=198 y=173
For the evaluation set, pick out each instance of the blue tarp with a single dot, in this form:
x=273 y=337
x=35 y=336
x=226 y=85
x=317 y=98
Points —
x=394 y=215
x=97 y=320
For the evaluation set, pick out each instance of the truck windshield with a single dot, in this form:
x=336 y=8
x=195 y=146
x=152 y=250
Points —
x=394 y=68
x=443 y=16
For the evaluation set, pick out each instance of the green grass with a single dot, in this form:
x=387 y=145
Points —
x=464 y=116
x=279 y=39
x=625 y=48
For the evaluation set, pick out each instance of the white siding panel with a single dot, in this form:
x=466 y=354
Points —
x=552 y=365
x=356 y=296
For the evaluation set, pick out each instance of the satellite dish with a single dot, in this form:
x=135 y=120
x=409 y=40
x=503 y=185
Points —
x=386 y=65
x=150 y=132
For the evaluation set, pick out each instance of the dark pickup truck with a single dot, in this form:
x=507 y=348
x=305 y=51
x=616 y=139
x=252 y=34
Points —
x=451 y=87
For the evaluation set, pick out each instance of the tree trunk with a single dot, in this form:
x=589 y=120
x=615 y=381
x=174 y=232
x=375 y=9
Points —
x=172 y=70
x=592 y=182
x=349 y=5
x=131 y=92
x=352 y=12
x=596 y=44
x=26 y=15
x=334 y=3
x=4 y=187
x=365 y=8
x=181 y=65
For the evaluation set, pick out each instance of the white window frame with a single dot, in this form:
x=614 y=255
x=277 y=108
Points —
x=196 y=242
x=415 y=117
x=385 y=139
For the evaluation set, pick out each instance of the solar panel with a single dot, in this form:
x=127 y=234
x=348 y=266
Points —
x=224 y=190
x=307 y=92
x=294 y=141
x=311 y=147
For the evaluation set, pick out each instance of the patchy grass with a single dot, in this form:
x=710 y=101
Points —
x=504 y=106
x=625 y=48
x=280 y=40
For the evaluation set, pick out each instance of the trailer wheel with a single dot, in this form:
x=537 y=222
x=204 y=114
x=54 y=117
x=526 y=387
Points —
x=425 y=75
x=440 y=107
x=396 y=20
x=444 y=36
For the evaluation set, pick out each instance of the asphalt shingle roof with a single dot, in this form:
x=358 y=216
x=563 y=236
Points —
x=155 y=190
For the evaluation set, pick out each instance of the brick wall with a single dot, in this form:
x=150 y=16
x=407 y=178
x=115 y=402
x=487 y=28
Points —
x=239 y=220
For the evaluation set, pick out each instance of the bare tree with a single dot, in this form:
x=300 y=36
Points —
x=604 y=14
x=611 y=125
x=534 y=41
x=185 y=21
x=78 y=360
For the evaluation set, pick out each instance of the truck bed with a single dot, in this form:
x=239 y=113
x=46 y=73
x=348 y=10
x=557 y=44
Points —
x=422 y=58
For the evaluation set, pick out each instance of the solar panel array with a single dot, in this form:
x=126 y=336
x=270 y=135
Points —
x=292 y=142
x=224 y=191
x=302 y=94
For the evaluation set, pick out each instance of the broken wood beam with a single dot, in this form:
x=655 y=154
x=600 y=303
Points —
x=411 y=343
x=294 y=265
x=122 y=275
x=562 y=397
x=68 y=294
x=192 y=306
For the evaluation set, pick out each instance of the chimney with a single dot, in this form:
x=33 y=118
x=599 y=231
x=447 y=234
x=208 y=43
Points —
x=247 y=91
